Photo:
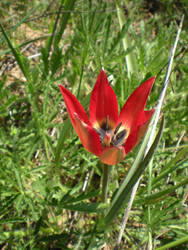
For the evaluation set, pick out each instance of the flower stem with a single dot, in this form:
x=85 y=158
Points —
x=105 y=181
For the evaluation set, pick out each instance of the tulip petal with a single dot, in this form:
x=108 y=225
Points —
x=112 y=155
x=135 y=103
x=103 y=103
x=73 y=106
x=81 y=123
x=88 y=136
x=138 y=131
x=144 y=123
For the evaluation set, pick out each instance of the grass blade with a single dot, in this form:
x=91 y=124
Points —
x=130 y=58
x=16 y=53
x=50 y=40
x=174 y=243
x=68 y=7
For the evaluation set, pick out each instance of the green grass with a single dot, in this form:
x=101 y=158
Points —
x=43 y=165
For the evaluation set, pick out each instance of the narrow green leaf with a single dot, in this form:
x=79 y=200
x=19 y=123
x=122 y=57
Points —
x=38 y=169
x=24 y=19
x=53 y=111
x=119 y=38
x=68 y=6
x=63 y=134
x=171 y=166
x=56 y=60
x=130 y=58
x=174 y=243
x=129 y=181
x=44 y=55
x=164 y=193
x=85 y=207
x=7 y=51
x=13 y=220
x=19 y=180
x=8 y=203
x=107 y=34
x=50 y=40
x=82 y=197
x=16 y=54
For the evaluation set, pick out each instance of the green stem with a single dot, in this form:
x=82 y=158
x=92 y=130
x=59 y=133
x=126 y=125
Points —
x=105 y=181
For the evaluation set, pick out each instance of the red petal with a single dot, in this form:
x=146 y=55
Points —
x=144 y=117
x=112 y=155
x=144 y=124
x=135 y=103
x=138 y=131
x=88 y=136
x=81 y=123
x=73 y=106
x=103 y=102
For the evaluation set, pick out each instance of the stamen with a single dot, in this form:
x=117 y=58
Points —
x=101 y=134
x=119 y=138
x=117 y=128
x=107 y=120
x=121 y=135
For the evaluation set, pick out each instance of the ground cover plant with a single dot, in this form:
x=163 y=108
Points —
x=53 y=194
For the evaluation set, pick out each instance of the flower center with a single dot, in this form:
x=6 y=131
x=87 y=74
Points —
x=108 y=137
x=119 y=136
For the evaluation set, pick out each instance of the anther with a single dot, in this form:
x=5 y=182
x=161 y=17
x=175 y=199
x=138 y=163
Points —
x=117 y=128
x=121 y=135
x=119 y=138
x=107 y=120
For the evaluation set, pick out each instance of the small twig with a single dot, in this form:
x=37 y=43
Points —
x=181 y=137
x=86 y=180
x=34 y=56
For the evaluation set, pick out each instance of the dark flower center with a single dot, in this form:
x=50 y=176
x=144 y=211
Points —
x=110 y=138
x=118 y=136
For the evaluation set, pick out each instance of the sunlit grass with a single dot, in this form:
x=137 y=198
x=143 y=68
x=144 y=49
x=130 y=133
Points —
x=43 y=166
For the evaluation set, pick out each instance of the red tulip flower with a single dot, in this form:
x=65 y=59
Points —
x=107 y=134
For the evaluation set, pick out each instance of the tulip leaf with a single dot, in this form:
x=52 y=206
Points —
x=131 y=178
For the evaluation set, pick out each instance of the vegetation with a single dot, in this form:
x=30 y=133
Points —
x=44 y=169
